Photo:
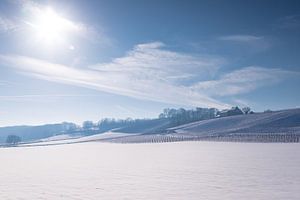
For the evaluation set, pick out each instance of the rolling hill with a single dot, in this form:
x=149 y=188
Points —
x=277 y=122
x=276 y=126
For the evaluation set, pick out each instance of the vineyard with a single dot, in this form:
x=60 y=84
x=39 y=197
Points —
x=280 y=126
x=260 y=138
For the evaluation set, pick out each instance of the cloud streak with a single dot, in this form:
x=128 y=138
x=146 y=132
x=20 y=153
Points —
x=34 y=97
x=152 y=72
x=289 y=22
x=7 y=25
x=241 y=38
x=2 y=83
x=243 y=81
x=147 y=72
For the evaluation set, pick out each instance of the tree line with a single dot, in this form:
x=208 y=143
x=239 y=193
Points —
x=173 y=116
x=183 y=116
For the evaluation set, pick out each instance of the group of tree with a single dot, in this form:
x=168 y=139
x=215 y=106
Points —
x=111 y=123
x=174 y=116
x=182 y=116
x=13 y=139
x=234 y=111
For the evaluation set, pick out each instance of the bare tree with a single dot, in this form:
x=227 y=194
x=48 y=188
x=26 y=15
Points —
x=246 y=110
x=13 y=139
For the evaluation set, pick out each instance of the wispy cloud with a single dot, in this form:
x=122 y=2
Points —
x=2 y=83
x=7 y=25
x=34 y=97
x=241 y=38
x=242 y=81
x=146 y=72
x=151 y=61
x=131 y=110
x=152 y=72
x=124 y=109
x=289 y=22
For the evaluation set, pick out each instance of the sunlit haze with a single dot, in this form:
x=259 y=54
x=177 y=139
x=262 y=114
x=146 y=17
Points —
x=78 y=60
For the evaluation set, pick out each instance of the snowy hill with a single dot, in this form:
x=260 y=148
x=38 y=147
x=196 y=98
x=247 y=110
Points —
x=279 y=122
x=64 y=139
x=30 y=133
x=276 y=126
x=279 y=126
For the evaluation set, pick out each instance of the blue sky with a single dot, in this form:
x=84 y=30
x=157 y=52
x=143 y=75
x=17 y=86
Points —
x=80 y=60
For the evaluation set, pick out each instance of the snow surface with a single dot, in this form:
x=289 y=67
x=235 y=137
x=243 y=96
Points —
x=96 y=137
x=180 y=170
x=57 y=137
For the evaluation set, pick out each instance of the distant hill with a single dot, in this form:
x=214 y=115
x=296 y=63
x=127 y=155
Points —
x=33 y=133
x=273 y=126
x=28 y=133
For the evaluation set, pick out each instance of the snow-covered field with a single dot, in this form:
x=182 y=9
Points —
x=64 y=139
x=180 y=170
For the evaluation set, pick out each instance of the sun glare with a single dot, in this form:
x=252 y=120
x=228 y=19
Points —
x=50 y=27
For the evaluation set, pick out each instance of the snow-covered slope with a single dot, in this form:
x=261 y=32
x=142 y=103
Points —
x=97 y=137
x=285 y=121
x=57 y=137
x=279 y=126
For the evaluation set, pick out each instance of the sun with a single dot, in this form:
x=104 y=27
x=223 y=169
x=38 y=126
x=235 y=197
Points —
x=50 y=27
